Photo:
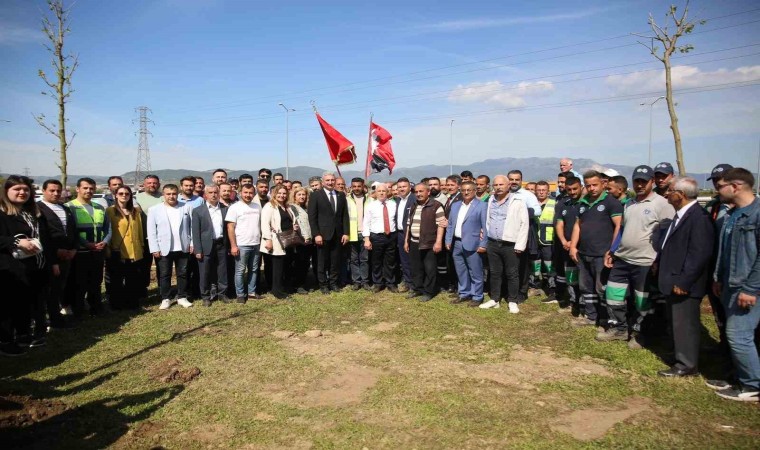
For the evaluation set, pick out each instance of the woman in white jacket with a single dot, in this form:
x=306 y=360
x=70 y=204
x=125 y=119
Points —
x=277 y=217
x=299 y=267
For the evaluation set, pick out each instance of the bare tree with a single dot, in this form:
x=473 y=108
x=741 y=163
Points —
x=60 y=86
x=669 y=40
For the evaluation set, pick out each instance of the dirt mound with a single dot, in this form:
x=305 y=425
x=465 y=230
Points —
x=593 y=423
x=384 y=326
x=172 y=370
x=22 y=411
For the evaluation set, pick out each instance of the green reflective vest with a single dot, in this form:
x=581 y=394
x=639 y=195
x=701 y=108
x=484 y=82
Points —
x=546 y=223
x=353 y=217
x=90 y=227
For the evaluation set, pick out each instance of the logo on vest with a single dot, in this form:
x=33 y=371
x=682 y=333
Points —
x=582 y=209
x=600 y=208
x=564 y=212
x=647 y=211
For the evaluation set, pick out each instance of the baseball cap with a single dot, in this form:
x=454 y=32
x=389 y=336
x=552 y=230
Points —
x=643 y=172
x=611 y=173
x=718 y=170
x=664 y=167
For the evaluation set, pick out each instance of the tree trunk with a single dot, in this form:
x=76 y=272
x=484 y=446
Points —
x=673 y=116
x=60 y=87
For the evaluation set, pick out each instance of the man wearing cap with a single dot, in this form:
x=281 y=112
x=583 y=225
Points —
x=663 y=173
x=632 y=258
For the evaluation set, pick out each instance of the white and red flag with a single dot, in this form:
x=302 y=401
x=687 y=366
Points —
x=379 y=151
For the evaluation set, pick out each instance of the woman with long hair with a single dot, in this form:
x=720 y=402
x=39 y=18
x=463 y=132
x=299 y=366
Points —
x=126 y=251
x=277 y=217
x=23 y=259
x=299 y=267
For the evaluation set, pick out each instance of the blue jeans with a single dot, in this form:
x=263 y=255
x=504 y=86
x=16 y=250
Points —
x=740 y=331
x=246 y=270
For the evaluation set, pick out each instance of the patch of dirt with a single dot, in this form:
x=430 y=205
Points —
x=21 y=411
x=593 y=423
x=263 y=417
x=211 y=433
x=336 y=346
x=384 y=326
x=370 y=314
x=343 y=388
x=537 y=318
x=313 y=333
x=172 y=370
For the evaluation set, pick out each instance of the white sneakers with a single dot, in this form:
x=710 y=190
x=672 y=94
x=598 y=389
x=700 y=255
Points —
x=490 y=304
x=66 y=311
x=493 y=304
x=183 y=302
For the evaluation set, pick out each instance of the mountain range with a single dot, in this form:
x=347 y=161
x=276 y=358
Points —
x=533 y=169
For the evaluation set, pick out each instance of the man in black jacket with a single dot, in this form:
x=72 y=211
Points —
x=210 y=245
x=682 y=265
x=328 y=218
x=64 y=237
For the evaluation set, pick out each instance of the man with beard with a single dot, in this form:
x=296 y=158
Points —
x=328 y=218
x=359 y=254
x=225 y=195
x=219 y=176
x=566 y=215
x=404 y=202
x=630 y=263
x=114 y=183
x=150 y=197
x=663 y=173
x=187 y=193
x=200 y=186
x=434 y=183
x=447 y=275
x=482 y=188
x=545 y=258
x=595 y=231
x=340 y=185
x=515 y=178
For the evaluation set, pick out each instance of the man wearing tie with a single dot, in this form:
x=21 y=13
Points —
x=380 y=238
x=328 y=218
x=210 y=245
x=403 y=196
x=466 y=240
x=682 y=266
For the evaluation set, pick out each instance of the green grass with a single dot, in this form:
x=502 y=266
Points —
x=445 y=377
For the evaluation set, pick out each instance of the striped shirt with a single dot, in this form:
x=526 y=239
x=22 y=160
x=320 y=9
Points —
x=416 y=223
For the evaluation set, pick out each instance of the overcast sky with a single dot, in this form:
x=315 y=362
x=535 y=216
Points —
x=550 y=78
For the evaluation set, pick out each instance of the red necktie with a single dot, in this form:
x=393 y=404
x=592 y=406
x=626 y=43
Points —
x=386 y=220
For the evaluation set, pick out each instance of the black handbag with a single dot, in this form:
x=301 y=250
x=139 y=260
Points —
x=289 y=239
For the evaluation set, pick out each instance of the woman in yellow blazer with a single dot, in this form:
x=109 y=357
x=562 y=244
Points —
x=125 y=251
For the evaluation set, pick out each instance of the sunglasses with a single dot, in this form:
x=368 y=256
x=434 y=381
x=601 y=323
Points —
x=123 y=193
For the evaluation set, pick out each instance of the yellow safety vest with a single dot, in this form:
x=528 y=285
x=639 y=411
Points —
x=546 y=223
x=90 y=228
x=353 y=217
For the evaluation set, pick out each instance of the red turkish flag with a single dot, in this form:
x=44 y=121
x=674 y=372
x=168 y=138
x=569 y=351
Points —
x=380 y=153
x=341 y=149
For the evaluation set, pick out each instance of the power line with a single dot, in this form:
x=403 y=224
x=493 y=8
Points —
x=285 y=95
x=581 y=102
x=422 y=96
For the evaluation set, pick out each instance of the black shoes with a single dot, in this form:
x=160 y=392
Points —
x=12 y=349
x=675 y=372
x=426 y=298
x=393 y=288
x=356 y=287
x=413 y=294
x=325 y=290
x=376 y=288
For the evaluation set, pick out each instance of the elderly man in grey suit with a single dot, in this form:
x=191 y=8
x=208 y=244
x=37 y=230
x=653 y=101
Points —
x=170 y=243
x=210 y=245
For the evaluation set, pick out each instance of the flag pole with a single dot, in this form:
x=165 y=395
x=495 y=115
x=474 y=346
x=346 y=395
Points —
x=369 y=148
x=314 y=107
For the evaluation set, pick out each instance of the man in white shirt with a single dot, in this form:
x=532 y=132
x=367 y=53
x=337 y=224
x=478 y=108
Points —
x=210 y=246
x=169 y=242
x=357 y=202
x=244 y=232
x=534 y=211
x=380 y=237
x=404 y=202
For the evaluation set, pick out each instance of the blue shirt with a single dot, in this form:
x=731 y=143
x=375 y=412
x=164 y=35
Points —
x=194 y=201
x=497 y=217
x=530 y=201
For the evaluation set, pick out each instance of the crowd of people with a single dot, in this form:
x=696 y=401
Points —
x=636 y=267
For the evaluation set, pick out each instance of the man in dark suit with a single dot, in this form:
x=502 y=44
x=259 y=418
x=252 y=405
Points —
x=210 y=245
x=328 y=218
x=404 y=201
x=686 y=249
x=64 y=237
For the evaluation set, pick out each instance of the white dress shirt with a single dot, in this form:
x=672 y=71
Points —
x=400 y=209
x=677 y=218
x=373 y=217
x=175 y=221
x=216 y=219
x=460 y=218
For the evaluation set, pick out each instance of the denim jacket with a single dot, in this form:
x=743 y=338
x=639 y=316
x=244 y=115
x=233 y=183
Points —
x=744 y=262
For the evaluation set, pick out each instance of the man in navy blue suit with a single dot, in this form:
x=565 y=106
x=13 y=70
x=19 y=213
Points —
x=466 y=239
x=686 y=249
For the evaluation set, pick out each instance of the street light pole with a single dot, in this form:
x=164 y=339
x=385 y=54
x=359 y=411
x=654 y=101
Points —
x=451 y=147
x=287 y=133
x=651 y=107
